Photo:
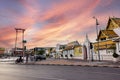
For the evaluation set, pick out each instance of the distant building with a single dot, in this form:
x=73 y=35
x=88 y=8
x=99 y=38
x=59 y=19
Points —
x=53 y=52
x=2 y=50
x=78 y=53
x=8 y=51
x=71 y=49
x=17 y=51
x=59 y=50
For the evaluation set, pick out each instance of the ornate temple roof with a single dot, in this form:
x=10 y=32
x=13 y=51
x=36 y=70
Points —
x=71 y=45
x=113 y=23
x=107 y=34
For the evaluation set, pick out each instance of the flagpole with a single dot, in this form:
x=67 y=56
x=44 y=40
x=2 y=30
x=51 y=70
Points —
x=97 y=37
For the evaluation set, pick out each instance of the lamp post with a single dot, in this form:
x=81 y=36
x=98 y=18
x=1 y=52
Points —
x=23 y=42
x=97 y=37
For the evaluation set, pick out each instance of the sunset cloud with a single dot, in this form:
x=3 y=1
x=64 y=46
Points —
x=50 y=22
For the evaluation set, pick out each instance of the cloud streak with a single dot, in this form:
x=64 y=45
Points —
x=56 y=22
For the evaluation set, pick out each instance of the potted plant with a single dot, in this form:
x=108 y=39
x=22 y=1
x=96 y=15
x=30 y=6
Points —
x=115 y=57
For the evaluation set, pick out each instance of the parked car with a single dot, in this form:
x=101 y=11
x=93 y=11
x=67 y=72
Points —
x=40 y=57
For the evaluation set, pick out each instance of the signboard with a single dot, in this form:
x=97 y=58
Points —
x=2 y=49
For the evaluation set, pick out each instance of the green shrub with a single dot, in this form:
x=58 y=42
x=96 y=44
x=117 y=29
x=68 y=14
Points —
x=115 y=55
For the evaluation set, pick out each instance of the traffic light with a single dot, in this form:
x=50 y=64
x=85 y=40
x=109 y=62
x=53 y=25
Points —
x=91 y=46
x=24 y=41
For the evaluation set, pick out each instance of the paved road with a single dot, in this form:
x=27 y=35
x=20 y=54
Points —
x=45 y=72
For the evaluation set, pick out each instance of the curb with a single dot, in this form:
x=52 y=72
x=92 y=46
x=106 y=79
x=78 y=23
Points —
x=111 y=66
x=69 y=64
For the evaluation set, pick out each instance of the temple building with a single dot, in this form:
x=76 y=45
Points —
x=106 y=41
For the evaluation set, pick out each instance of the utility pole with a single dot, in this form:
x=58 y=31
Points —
x=97 y=37
x=23 y=42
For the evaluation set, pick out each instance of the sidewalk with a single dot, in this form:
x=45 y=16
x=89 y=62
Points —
x=10 y=59
x=65 y=62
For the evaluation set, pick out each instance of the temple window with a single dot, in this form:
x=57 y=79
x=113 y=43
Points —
x=102 y=39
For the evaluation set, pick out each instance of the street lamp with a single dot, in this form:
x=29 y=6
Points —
x=97 y=37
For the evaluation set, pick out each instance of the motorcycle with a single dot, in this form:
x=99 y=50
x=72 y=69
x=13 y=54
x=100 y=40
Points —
x=19 y=60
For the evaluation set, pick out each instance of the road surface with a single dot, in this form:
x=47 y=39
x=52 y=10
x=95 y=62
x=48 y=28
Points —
x=45 y=72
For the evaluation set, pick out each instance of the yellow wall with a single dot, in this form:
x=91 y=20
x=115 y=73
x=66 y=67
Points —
x=77 y=51
x=104 y=45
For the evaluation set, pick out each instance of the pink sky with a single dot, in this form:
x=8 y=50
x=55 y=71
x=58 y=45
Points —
x=48 y=22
